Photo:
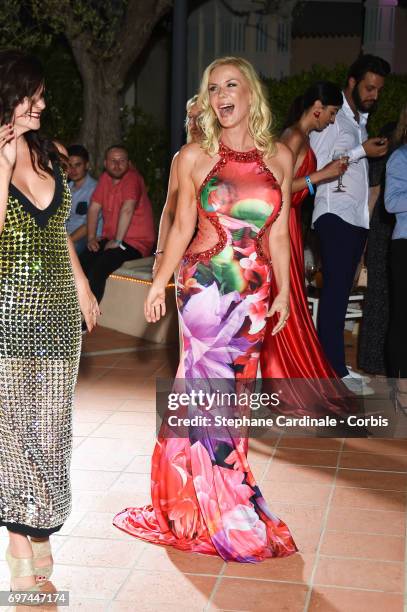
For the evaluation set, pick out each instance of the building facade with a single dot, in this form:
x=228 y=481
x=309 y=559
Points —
x=215 y=30
x=326 y=32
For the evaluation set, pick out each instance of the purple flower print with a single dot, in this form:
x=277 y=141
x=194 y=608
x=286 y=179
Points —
x=211 y=339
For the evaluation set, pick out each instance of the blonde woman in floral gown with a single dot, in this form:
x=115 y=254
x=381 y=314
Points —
x=236 y=185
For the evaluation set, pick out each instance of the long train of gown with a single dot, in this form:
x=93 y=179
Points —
x=296 y=352
x=204 y=496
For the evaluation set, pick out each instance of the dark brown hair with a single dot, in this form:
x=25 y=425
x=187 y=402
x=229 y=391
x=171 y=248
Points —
x=368 y=63
x=21 y=76
x=326 y=92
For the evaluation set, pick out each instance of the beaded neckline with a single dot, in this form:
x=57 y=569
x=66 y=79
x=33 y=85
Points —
x=42 y=215
x=240 y=156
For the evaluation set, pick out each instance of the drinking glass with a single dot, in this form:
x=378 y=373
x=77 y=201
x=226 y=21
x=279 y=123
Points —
x=344 y=157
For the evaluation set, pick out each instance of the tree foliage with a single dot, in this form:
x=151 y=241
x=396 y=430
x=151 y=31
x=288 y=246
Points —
x=148 y=146
x=105 y=36
x=106 y=28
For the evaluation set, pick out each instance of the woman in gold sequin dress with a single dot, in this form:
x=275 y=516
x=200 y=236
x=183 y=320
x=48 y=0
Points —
x=42 y=290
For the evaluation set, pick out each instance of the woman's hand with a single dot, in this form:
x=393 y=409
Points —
x=8 y=148
x=280 y=305
x=93 y=245
x=88 y=305
x=333 y=169
x=154 y=306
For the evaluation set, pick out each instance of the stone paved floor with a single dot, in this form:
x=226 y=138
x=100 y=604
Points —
x=344 y=500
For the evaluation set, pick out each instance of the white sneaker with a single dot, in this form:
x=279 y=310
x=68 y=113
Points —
x=357 y=385
x=357 y=376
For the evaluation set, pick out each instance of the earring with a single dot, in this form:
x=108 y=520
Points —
x=317 y=114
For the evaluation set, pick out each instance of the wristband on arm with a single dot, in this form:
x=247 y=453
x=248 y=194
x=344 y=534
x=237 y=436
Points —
x=120 y=244
x=310 y=185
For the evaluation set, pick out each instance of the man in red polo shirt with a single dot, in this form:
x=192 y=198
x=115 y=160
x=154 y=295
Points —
x=128 y=228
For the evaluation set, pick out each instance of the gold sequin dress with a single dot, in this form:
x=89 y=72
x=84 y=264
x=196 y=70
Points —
x=40 y=338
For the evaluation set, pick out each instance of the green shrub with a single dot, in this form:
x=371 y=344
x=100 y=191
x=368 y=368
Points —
x=392 y=98
x=148 y=148
x=64 y=93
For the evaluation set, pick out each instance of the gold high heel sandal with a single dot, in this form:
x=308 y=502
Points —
x=40 y=550
x=21 y=568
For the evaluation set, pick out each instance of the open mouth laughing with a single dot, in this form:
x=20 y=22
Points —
x=225 y=110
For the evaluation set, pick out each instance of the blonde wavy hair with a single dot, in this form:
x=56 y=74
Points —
x=400 y=133
x=190 y=104
x=260 y=117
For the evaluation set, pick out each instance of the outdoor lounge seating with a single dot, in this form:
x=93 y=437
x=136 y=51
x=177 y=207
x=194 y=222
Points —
x=122 y=304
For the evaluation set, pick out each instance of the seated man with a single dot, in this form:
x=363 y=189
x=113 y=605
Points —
x=128 y=228
x=82 y=186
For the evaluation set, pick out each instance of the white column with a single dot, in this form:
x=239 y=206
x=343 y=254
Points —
x=379 y=28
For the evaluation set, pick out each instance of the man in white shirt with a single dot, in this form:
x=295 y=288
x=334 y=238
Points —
x=341 y=218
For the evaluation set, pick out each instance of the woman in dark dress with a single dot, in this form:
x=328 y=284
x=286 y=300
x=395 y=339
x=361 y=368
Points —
x=42 y=290
x=372 y=339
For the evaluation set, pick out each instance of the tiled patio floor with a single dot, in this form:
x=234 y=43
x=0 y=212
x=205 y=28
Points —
x=345 y=502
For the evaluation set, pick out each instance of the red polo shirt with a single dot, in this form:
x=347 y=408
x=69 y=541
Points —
x=140 y=233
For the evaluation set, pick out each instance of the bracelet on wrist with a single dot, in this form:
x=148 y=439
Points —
x=158 y=253
x=310 y=185
x=119 y=243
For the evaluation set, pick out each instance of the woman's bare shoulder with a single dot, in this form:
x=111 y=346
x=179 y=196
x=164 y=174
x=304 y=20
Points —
x=284 y=152
x=281 y=162
x=282 y=156
x=189 y=153
x=294 y=138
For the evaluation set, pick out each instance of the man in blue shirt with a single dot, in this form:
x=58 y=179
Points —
x=82 y=186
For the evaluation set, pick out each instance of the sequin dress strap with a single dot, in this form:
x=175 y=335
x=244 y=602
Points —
x=239 y=156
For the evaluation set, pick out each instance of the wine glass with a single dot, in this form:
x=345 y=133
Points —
x=344 y=157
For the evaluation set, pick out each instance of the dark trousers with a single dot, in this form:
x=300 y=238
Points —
x=98 y=266
x=341 y=246
x=397 y=334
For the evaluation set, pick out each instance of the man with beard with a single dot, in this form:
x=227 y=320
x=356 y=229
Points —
x=128 y=228
x=341 y=217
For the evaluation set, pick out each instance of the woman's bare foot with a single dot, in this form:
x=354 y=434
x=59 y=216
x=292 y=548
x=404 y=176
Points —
x=20 y=548
x=41 y=560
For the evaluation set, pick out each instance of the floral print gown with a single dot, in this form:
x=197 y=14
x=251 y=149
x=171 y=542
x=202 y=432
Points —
x=204 y=496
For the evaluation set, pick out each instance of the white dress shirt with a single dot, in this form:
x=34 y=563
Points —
x=346 y=134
